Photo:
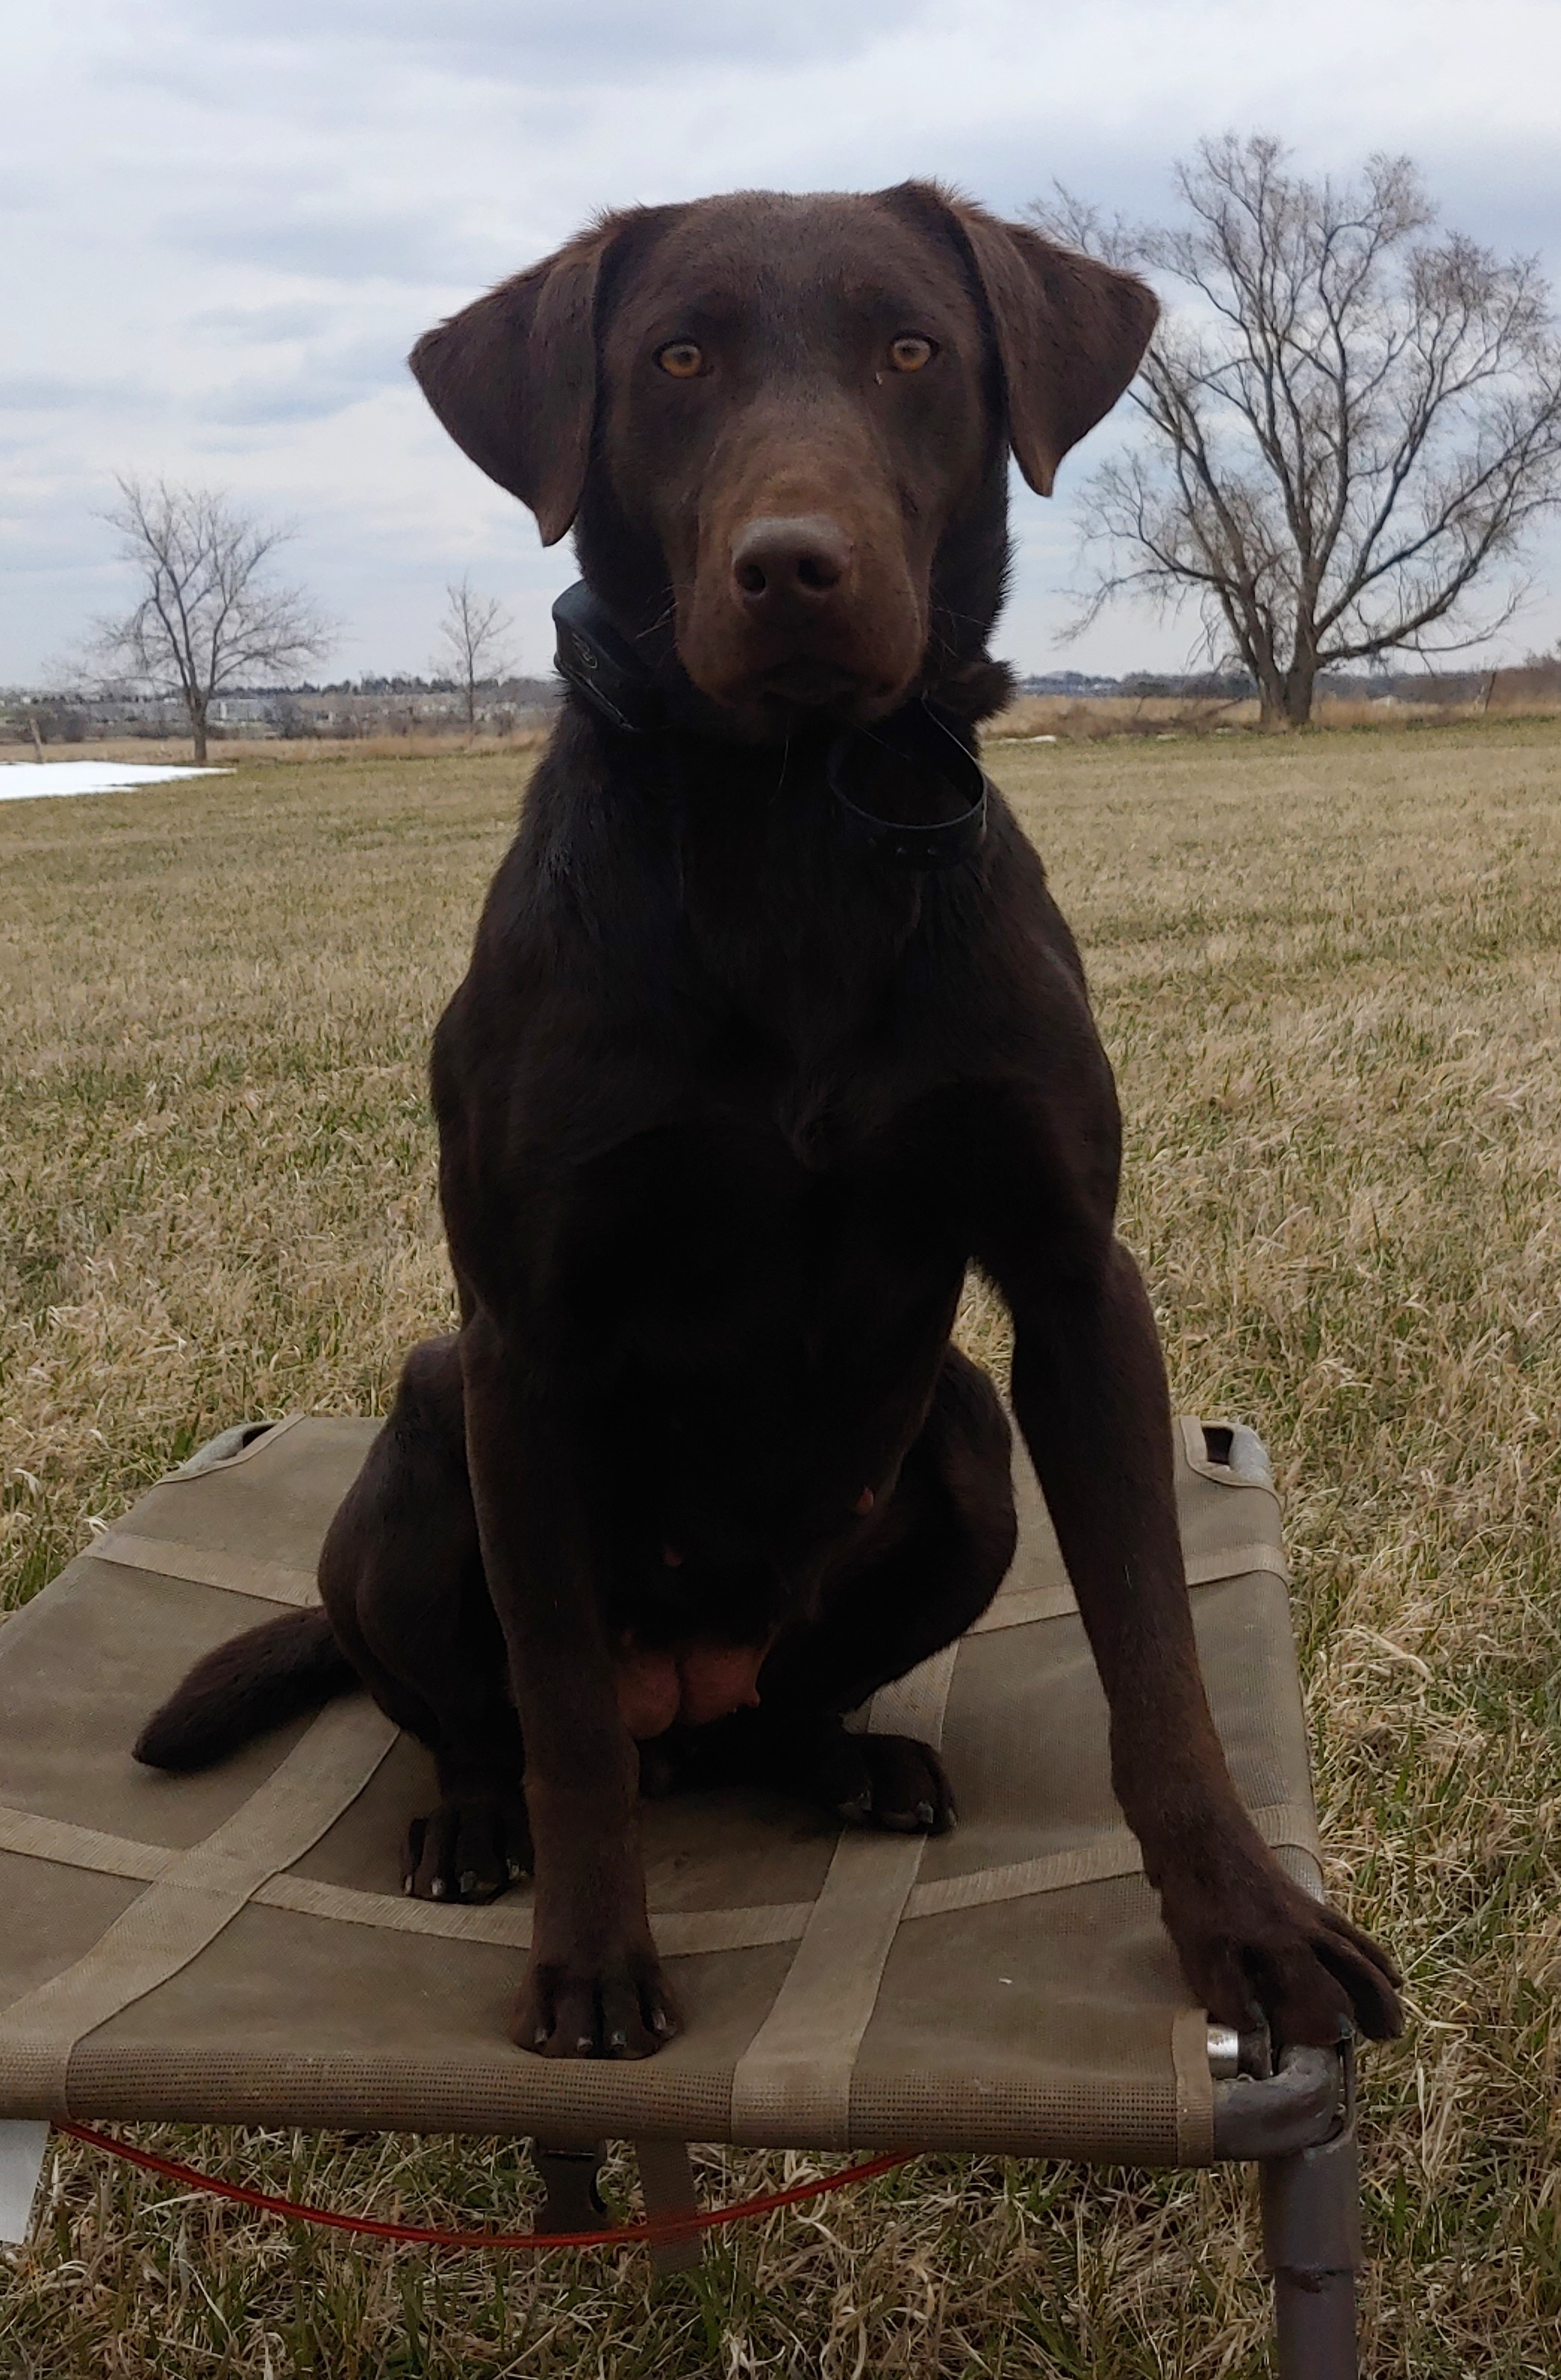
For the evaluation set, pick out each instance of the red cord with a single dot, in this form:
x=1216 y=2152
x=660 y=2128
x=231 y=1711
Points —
x=667 y=2227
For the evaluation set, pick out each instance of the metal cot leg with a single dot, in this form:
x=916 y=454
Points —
x=23 y=2144
x=568 y=2175
x=1312 y=2245
x=666 y=2177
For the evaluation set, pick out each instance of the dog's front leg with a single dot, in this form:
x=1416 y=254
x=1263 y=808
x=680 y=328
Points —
x=1090 y=1394
x=593 y=1987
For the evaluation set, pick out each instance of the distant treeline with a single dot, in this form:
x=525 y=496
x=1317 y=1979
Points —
x=352 y=709
x=1533 y=680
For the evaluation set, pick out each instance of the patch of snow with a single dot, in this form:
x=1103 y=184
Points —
x=24 y=780
x=1040 y=739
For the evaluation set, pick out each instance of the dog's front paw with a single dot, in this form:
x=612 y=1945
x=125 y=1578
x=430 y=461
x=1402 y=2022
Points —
x=1249 y=1937
x=470 y=1850
x=617 y=2005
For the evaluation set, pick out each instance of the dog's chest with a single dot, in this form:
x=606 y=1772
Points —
x=761 y=1320
x=777 y=1223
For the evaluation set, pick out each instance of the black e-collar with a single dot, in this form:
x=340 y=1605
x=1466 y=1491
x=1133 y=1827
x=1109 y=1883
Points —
x=599 y=664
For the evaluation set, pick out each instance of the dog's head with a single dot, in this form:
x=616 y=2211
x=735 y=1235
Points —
x=781 y=426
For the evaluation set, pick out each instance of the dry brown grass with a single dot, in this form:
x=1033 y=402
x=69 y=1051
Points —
x=1328 y=971
x=230 y=752
x=1075 y=719
x=1041 y=717
x=1087 y=719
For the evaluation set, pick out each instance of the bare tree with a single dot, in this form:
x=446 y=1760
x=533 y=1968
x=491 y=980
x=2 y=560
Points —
x=1351 y=426
x=473 y=634
x=209 y=617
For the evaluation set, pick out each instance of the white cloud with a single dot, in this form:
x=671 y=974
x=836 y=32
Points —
x=227 y=220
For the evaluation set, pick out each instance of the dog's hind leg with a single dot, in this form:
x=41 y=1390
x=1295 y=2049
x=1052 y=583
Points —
x=923 y=1570
x=401 y=1575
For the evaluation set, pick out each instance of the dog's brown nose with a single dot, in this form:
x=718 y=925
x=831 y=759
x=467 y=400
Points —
x=778 y=563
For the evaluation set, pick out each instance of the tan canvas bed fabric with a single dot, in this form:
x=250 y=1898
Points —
x=235 y=1947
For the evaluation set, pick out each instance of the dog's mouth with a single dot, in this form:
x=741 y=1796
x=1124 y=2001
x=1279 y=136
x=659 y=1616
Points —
x=806 y=691
x=810 y=683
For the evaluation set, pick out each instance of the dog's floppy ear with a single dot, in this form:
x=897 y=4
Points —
x=513 y=378
x=1070 y=332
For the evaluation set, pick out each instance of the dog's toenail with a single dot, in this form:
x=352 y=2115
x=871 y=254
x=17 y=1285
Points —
x=539 y=2037
x=436 y=1888
x=661 y=2021
x=620 y=2041
x=516 y=1871
x=584 y=2041
x=924 y=1812
x=406 y=1885
x=468 y=1879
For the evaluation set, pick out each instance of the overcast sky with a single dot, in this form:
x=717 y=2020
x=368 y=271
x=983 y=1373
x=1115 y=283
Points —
x=227 y=220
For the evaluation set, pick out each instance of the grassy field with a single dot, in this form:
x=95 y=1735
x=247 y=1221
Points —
x=1330 y=972
x=1088 y=718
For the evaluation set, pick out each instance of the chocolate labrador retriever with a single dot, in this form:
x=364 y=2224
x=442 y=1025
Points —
x=771 y=1029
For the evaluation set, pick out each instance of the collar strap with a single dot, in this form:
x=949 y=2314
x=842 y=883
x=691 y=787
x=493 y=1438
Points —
x=923 y=748
x=598 y=664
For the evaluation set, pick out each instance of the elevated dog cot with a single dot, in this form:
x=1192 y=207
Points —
x=235 y=1947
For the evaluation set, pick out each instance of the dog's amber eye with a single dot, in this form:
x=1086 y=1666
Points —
x=910 y=353
x=682 y=359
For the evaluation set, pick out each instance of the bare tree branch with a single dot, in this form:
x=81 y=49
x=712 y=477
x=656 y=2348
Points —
x=1351 y=428
x=473 y=634
x=208 y=617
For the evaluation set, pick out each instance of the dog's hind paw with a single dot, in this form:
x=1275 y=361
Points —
x=894 y=1782
x=470 y=1850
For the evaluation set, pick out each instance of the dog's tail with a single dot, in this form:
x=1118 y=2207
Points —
x=276 y=1672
